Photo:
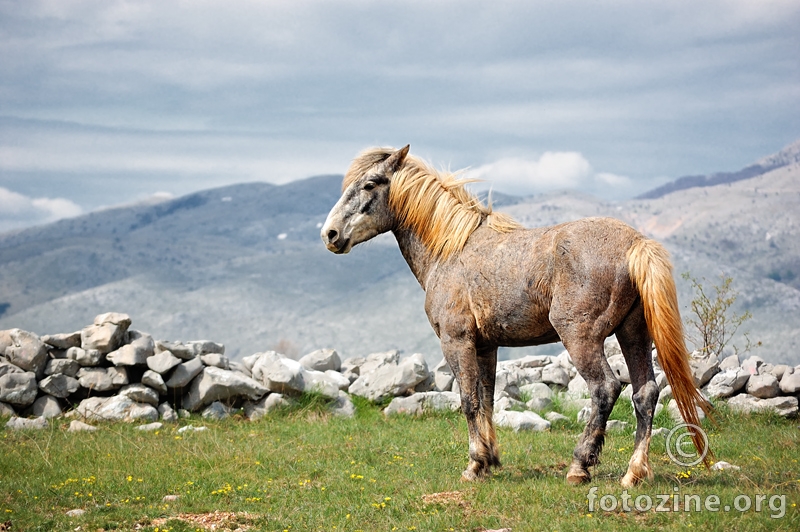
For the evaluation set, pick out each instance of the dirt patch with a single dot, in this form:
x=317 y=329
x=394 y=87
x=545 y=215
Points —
x=216 y=520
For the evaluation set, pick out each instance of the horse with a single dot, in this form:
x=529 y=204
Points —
x=489 y=282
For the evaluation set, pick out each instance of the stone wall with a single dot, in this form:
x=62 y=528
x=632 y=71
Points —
x=108 y=371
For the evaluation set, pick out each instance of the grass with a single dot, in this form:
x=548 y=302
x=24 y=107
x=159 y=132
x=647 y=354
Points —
x=303 y=469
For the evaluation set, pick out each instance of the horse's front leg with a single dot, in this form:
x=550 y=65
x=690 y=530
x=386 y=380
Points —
x=475 y=374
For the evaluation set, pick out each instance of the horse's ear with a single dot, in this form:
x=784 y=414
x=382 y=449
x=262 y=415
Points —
x=396 y=160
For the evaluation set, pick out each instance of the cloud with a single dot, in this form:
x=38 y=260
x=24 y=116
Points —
x=18 y=210
x=550 y=171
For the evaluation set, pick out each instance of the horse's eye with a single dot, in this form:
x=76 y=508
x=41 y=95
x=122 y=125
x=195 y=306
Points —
x=369 y=185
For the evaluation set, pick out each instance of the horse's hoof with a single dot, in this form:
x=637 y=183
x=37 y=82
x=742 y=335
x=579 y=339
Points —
x=577 y=476
x=630 y=480
x=469 y=476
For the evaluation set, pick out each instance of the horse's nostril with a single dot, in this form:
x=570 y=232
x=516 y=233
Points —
x=333 y=234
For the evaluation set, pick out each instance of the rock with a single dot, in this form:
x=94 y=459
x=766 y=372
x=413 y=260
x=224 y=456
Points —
x=103 y=379
x=150 y=427
x=135 y=353
x=238 y=367
x=790 y=382
x=167 y=413
x=665 y=393
x=611 y=347
x=730 y=362
x=79 y=426
x=752 y=365
x=216 y=410
x=85 y=358
x=107 y=333
x=537 y=404
x=190 y=428
x=162 y=362
x=7 y=367
x=216 y=360
x=443 y=377
x=322 y=360
x=584 y=414
x=116 y=408
x=178 y=349
x=532 y=361
x=577 y=387
x=155 y=381
x=763 y=386
x=555 y=417
x=7 y=410
x=724 y=466
x=343 y=406
x=675 y=414
x=519 y=421
x=184 y=373
x=61 y=386
x=506 y=382
x=419 y=403
x=18 y=389
x=19 y=423
x=324 y=384
x=703 y=368
x=663 y=431
x=26 y=351
x=553 y=374
x=140 y=394
x=620 y=368
x=727 y=383
x=783 y=406
x=779 y=370
x=62 y=366
x=63 y=341
x=170 y=498
x=536 y=390
x=215 y=384
x=46 y=406
x=505 y=402
x=279 y=374
x=205 y=347
x=391 y=380
x=341 y=382
x=615 y=425
x=258 y=409
x=77 y=512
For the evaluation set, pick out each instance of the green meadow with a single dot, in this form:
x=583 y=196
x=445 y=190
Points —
x=304 y=469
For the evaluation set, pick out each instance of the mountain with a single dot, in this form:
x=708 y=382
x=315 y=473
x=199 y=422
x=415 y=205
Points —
x=786 y=157
x=244 y=265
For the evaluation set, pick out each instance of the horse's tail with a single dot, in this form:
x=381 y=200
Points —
x=651 y=271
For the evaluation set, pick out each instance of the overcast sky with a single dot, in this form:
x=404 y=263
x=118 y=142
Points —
x=108 y=102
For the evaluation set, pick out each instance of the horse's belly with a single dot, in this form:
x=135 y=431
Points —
x=517 y=328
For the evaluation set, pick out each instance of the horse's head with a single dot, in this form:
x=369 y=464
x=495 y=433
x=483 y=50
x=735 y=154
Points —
x=363 y=210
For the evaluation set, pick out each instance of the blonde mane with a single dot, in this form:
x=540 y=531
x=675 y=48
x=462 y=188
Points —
x=432 y=204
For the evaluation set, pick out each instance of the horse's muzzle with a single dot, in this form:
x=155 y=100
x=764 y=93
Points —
x=333 y=241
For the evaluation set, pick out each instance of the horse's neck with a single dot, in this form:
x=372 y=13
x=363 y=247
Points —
x=419 y=259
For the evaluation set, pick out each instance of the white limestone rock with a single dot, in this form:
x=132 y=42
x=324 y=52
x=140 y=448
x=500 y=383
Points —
x=61 y=386
x=391 y=380
x=322 y=360
x=521 y=421
x=763 y=386
x=18 y=389
x=26 y=351
x=214 y=384
x=107 y=333
x=116 y=408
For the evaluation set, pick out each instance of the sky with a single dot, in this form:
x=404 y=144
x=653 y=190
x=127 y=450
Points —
x=111 y=102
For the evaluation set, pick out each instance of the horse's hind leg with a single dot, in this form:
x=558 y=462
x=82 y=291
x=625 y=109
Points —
x=604 y=389
x=634 y=340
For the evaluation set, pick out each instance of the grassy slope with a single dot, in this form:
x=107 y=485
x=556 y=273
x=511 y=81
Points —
x=305 y=470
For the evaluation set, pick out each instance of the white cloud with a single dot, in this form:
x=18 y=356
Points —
x=18 y=210
x=550 y=171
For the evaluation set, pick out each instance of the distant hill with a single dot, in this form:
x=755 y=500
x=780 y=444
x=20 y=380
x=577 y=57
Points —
x=787 y=156
x=244 y=265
